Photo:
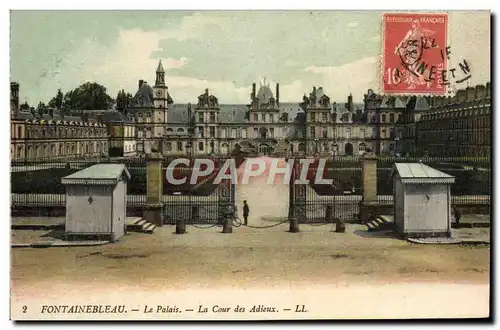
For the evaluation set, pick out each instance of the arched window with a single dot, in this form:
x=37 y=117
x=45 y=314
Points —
x=362 y=147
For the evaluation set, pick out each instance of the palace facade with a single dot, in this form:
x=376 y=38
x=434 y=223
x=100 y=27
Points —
x=52 y=134
x=406 y=125
x=457 y=126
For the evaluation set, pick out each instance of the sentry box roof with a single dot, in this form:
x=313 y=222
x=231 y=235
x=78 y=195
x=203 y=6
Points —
x=101 y=174
x=420 y=173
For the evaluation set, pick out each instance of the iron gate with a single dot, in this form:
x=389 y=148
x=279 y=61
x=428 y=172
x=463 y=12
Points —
x=309 y=202
x=204 y=202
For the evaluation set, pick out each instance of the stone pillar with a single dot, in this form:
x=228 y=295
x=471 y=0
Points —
x=369 y=202
x=153 y=210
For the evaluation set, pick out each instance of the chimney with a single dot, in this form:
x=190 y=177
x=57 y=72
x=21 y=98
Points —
x=253 y=91
x=470 y=93
x=438 y=101
x=488 y=89
x=448 y=100
x=278 y=95
x=349 y=102
x=480 y=92
x=14 y=95
x=140 y=83
x=461 y=96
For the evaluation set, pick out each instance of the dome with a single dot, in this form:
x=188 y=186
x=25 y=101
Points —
x=265 y=94
x=144 y=96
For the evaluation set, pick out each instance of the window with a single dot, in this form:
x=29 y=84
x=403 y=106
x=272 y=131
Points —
x=200 y=146
x=200 y=117
x=223 y=133
x=255 y=132
x=201 y=132
x=168 y=146
x=19 y=132
x=212 y=117
x=244 y=133
x=391 y=118
x=399 y=117
x=271 y=132
x=312 y=132
x=325 y=133
x=285 y=131
x=325 y=117
x=382 y=120
x=313 y=117
x=382 y=133
x=233 y=133
x=256 y=117
x=348 y=133
x=179 y=146
x=264 y=117
x=361 y=147
x=271 y=118
x=212 y=132
x=362 y=133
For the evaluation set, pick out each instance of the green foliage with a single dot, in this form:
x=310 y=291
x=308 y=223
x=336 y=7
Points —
x=123 y=100
x=24 y=107
x=57 y=101
x=88 y=96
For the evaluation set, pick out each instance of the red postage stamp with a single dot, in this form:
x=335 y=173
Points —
x=414 y=53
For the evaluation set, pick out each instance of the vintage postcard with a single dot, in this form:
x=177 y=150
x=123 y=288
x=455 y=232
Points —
x=250 y=165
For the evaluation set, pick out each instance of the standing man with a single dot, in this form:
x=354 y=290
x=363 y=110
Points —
x=246 y=211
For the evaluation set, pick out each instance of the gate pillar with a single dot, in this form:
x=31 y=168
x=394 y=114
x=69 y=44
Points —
x=297 y=195
x=153 y=210
x=369 y=205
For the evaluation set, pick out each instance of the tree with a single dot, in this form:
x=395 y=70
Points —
x=88 y=96
x=123 y=100
x=24 y=107
x=40 y=108
x=57 y=101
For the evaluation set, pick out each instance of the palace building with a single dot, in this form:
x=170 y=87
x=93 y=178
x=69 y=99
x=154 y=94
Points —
x=53 y=134
x=384 y=124
x=457 y=126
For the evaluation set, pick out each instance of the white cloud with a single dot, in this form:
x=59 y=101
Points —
x=192 y=26
x=352 y=24
x=355 y=77
x=173 y=63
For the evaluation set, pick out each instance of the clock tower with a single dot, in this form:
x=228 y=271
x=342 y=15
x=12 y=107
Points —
x=160 y=102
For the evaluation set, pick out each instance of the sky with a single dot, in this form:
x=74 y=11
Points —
x=224 y=51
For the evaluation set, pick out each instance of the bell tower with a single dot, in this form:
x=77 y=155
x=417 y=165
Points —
x=160 y=102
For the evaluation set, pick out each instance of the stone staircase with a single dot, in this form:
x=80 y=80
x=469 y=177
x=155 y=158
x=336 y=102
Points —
x=140 y=225
x=381 y=222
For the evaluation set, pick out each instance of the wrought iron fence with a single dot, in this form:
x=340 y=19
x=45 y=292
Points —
x=38 y=183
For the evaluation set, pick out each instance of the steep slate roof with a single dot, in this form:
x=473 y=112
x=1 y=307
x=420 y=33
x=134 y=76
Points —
x=112 y=116
x=421 y=103
x=421 y=173
x=24 y=115
x=144 y=97
x=229 y=113
x=98 y=174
